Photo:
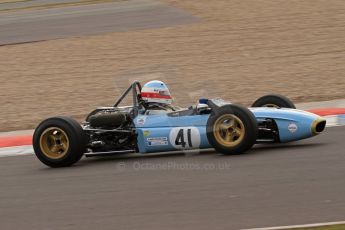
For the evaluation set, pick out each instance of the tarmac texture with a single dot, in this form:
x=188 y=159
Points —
x=297 y=183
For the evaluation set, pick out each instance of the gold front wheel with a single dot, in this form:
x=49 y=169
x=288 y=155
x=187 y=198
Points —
x=229 y=130
x=54 y=143
x=232 y=129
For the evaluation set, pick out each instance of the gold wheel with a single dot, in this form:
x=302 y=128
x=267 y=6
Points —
x=54 y=143
x=229 y=130
x=271 y=106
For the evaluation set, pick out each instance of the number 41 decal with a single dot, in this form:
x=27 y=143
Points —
x=180 y=138
x=185 y=137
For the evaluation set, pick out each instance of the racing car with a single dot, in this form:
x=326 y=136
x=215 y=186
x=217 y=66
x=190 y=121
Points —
x=151 y=124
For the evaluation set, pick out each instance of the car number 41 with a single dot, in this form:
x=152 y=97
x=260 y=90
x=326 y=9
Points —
x=185 y=137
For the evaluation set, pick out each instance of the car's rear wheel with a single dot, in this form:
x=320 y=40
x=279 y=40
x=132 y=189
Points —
x=59 y=142
x=274 y=100
x=232 y=129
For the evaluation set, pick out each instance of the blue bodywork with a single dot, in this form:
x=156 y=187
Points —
x=163 y=132
x=292 y=124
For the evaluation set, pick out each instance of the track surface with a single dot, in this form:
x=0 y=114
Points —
x=297 y=183
x=37 y=25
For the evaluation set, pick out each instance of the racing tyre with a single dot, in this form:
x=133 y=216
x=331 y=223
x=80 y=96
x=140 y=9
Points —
x=274 y=100
x=59 y=142
x=232 y=129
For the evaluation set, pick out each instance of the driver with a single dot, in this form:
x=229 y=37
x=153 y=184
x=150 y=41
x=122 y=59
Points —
x=155 y=95
x=156 y=98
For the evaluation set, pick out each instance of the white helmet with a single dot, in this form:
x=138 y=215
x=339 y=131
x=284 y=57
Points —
x=156 y=91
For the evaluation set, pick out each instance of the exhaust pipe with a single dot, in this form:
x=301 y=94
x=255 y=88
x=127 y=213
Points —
x=318 y=126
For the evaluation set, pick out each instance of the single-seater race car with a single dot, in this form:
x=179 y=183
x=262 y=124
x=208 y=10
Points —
x=149 y=127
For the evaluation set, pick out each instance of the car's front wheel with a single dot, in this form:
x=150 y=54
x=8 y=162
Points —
x=59 y=142
x=232 y=129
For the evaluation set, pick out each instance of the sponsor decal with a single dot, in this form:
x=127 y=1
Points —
x=141 y=120
x=157 y=141
x=185 y=137
x=146 y=133
x=292 y=127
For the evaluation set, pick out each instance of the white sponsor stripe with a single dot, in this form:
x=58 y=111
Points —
x=298 y=226
x=16 y=151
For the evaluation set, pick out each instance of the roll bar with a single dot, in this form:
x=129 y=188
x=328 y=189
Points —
x=136 y=89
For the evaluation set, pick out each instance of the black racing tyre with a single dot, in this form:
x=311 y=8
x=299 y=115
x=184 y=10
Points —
x=232 y=129
x=59 y=142
x=274 y=100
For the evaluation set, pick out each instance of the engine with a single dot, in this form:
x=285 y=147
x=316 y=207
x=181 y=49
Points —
x=110 y=130
x=108 y=120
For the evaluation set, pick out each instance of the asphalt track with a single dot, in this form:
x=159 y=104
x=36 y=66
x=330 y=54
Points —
x=296 y=183
x=45 y=24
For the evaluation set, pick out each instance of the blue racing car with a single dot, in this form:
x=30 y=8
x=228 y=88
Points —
x=153 y=124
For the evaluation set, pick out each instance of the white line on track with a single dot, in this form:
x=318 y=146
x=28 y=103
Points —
x=335 y=120
x=16 y=151
x=298 y=226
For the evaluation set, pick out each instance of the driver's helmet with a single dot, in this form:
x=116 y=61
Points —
x=156 y=91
